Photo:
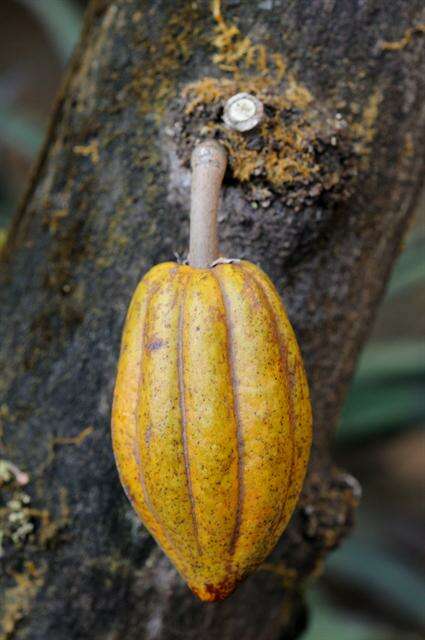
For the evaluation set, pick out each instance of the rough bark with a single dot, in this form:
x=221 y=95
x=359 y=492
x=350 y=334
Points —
x=108 y=199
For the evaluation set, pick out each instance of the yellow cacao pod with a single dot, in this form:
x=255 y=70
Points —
x=211 y=419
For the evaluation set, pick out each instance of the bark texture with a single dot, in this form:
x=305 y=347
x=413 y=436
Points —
x=109 y=198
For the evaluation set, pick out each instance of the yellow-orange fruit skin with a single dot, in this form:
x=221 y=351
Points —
x=211 y=421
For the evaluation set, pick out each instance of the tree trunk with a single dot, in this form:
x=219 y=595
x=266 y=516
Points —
x=320 y=196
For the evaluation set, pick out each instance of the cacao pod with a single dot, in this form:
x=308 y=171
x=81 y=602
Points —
x=211 y=418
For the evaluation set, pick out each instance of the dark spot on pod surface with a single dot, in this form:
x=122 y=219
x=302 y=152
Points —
x=218 y=591
x=154 y=345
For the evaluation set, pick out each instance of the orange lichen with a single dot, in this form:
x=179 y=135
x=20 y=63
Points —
x=47 y=527
x=280 y=65
x=296 y=130
x=297 y=93
x=231 y=46
x=3 y=238
x=90 y=150
x=76 y=440
x=55 y=442
x=365 y=128
x=408 y=148
x=155 y=84
x=54 y=219
x=398 y=45
x=17 y=600
x=286 y=154
x=287 y=575
x=235 y=51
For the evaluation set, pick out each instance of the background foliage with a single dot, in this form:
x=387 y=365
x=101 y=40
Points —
x=373 y=587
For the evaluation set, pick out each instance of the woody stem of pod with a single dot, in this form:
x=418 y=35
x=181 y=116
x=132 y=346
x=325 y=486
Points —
x=209 y=161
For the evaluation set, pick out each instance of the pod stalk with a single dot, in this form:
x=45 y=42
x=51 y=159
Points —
x=209 y=161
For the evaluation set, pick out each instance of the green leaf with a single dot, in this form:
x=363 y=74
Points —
x=62 y=20
x=379 y=408
x=18 y=131
x=368 y=565
x=330 y=623
x=409 y=270
x=401 y=358
x=387 y=392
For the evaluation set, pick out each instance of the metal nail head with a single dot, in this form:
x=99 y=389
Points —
x=243 y=112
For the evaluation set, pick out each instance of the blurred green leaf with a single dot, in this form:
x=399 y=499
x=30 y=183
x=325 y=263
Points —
x=409 y=270
x=62 y=20
x=401 y=358
x=378 y=408
x=387 y=392
x=3 y=237
x=7 y=206
x=368 y=564
x=18 y=132
x=329 y=623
